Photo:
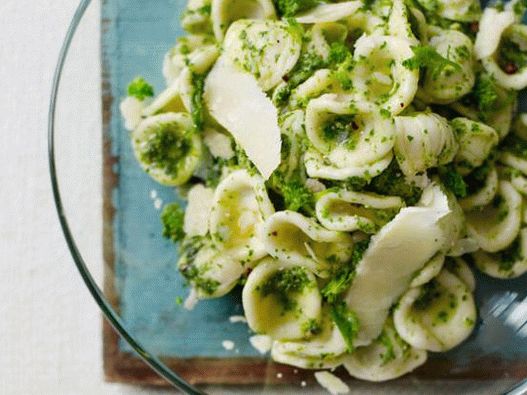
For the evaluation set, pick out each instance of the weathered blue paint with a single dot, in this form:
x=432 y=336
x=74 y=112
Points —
x=135 y=38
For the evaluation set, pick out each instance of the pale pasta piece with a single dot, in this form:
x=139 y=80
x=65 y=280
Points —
x=320 y=82
x=196 y=17
x=292 y=129
x=497 y=225
x=517 y=78
x=399 y=24
x=239 y=210
x=319 y=167
x=176 y=59
x=476 y=141
x=436 y=316
x=208 y=269
x=266 y=49
x=387 y=358
x=131 y=110
x=520 y=126
x=324 y=350
x=281 y=300
x=225 y=12
x=455 y=10
x=491 y=27
x=514 y=161
x=424 y=140
x=329 y=12
x=198 y=210
x=519 y=182
x=322 y=35
x=379 y=75
x=178 y=95
x=348 y=211
x=165 y=149
x=298 y=240
x=509 y=263
x=387 y=265
x=461 y=270
x=484 y=195
x=429 y=271
x=450 y=84
x=349 y=133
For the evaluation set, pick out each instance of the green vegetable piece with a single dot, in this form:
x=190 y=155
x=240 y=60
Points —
x=140 y=89
x=288 y=8
x=453 y=180
x=197 y=108
x=284 y=283
x=392 y=182
x=428 y=58
x=347 y=323
x=172 y=218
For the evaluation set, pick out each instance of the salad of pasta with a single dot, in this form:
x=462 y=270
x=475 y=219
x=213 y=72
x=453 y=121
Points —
x=348 y=163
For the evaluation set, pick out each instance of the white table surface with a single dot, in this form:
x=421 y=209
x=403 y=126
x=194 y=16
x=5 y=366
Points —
x=50 y=329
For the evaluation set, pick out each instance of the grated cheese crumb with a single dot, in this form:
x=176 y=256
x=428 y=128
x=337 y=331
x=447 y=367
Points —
x=303 y=384
x=331 y=383
x=228 y=345
x=279 y=375
x=237 y=318
x=262 y=343
x=191 y=301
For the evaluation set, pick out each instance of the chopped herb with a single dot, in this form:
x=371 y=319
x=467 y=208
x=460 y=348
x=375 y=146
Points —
x=288 y=8
x=389 y=354
x=140 y=89
x=429 y=293
x=297 y=196
x=311 y=327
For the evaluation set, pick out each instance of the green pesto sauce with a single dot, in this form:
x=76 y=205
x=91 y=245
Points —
x=284 y=284
x=164 y=149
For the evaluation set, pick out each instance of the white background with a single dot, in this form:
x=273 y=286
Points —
x=50 y=328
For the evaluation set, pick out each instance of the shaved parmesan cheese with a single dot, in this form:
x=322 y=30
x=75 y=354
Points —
x=228 y=345
x=331 y=383
x=236 y=101
x=329 y=12
x=396 y=253
x=219 y=145
x=131 y=110
x=262 y=343
x=198 y=211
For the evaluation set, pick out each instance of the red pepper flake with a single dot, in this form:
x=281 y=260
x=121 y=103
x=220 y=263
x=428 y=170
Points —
x=474 y=27
x=275 y=233
x=285 y=78
x=510 y=68
x=354 y=125
x=402 y=105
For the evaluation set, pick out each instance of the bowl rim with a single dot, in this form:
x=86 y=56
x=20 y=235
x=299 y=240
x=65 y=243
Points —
x=109 y=313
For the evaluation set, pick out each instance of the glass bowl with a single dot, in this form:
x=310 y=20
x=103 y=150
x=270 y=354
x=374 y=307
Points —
x=109 y=213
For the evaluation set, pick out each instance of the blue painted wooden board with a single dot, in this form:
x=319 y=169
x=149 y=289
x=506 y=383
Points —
x=136 y=36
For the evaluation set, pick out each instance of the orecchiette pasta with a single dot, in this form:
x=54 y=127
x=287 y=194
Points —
x=387 y=358
x=281 y=301
x=438 y=315
x=225 y=12
x=348 y=211
x=450 y=85
x=293 y=238
x=239 y=210
x=476 y=140
x=497 y=225
x=326 y=349
x=424 y=140
x=165 y=150
x=379 y=75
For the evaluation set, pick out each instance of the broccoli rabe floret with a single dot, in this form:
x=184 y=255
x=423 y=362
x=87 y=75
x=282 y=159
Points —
x=140 y=89
x=172 y=218
x=453 y=181
x=392 y=183
x=290 y=8
x=294 y=193
x=198 y=84
x=347 y=322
